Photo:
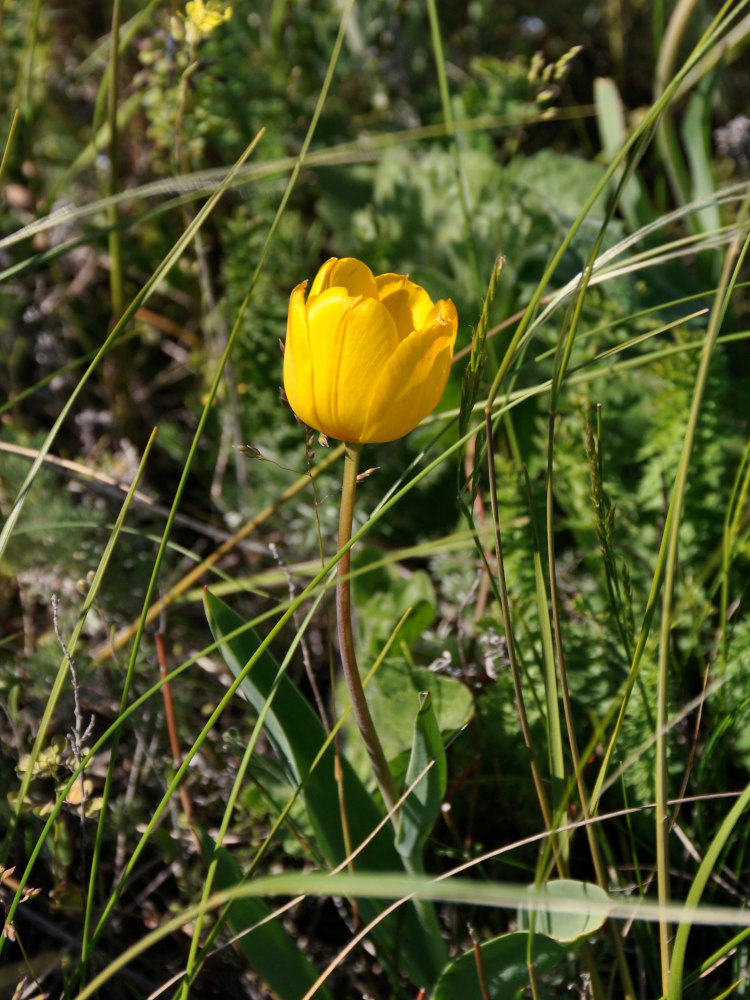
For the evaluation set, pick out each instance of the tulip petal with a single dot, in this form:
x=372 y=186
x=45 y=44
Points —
x=350 y=341
x=298 y=362
x=322 y=279
x=413 y=379
x=354 y=276
x=326 y=322
x=442 y=312
x=409 y=304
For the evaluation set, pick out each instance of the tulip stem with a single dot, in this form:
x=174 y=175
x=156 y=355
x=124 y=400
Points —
x=360 y=707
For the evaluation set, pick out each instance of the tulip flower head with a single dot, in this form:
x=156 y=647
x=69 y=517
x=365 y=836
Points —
x=366 y=358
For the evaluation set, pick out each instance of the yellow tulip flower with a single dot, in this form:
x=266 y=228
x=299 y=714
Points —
x=366 y=358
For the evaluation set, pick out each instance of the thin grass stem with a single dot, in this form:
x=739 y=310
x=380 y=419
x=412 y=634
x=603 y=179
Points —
x=116 y=285
x=729 y=272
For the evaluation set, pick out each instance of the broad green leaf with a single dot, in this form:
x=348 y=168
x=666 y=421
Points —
x=564 y=927
x=269 y=950
x=297 y=735
x=504 y=965
x=389 y=696
x=420 y=809
x=380 y=609
x=382 y=597
x=564 y=182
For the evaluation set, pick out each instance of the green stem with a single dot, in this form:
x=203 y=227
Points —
x=114 y=240
x=360 y=707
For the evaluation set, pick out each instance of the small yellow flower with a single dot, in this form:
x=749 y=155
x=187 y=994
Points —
x=204 y=17
x=366 y=358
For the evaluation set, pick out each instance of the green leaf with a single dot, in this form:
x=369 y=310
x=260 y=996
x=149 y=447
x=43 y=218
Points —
x=392 y=710
x=419 y=810
x=382 y=597
x=563 y=182
x=613 y=133
x=564 y=927
x=297 y=735
x=504 y=964
x=380 y=609
x=268 y=949
x=696 y=133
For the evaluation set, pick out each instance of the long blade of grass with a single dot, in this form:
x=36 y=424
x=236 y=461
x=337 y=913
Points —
x=116 y=289
x=9 y=143
x=730 y=269
x=204 y=182
x=403 y=888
